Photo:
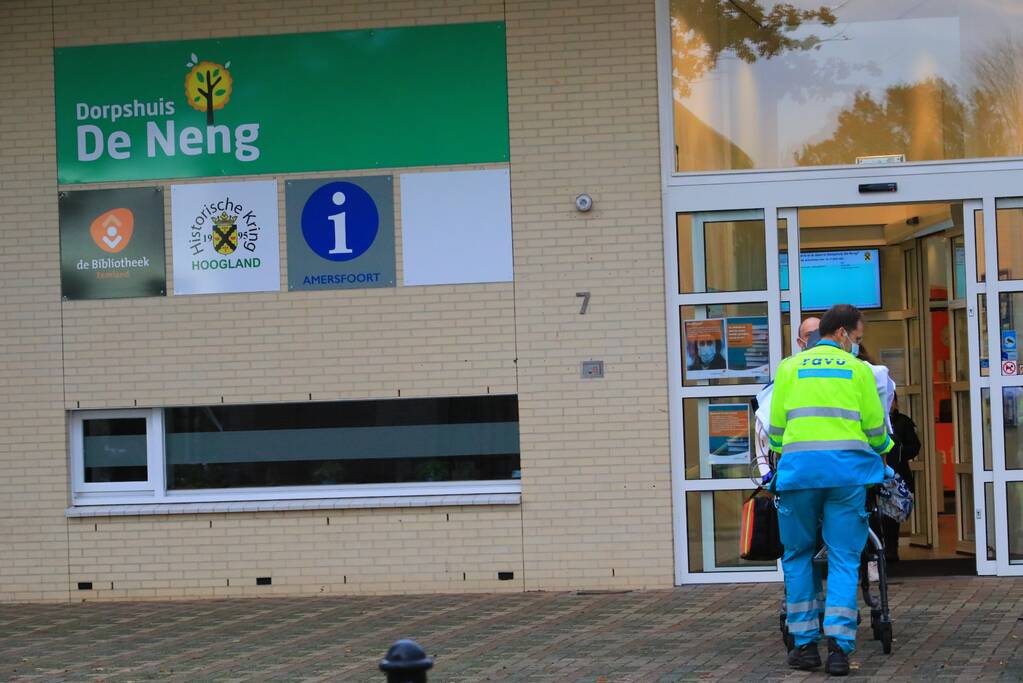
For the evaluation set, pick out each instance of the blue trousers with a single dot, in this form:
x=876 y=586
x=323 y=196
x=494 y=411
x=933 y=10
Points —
x=841 y=513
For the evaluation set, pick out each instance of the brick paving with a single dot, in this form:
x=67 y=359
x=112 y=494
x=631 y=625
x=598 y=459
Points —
x=948 y=629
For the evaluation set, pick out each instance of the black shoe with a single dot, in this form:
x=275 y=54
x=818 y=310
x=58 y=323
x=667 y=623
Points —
x=805 y=657
x=838 y=661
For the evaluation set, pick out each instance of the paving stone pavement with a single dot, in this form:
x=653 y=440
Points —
x=947 y=629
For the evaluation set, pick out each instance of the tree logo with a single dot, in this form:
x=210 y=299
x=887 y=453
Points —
x=208 y=86
x=225 y=233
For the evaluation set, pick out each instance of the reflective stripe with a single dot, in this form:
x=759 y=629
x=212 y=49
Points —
x=823 y=412
x=801 y=446
x=846 y=612
x=839 y=631
x=775 y=431
x=875 y=432
x=810 y=626
x=805 y=606
x=880 y=449
x=828 y=373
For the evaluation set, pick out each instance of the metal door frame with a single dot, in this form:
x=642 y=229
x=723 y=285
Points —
x=1001 y=477
x=777 y=201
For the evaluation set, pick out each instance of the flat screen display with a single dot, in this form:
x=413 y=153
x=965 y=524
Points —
x=836 y=276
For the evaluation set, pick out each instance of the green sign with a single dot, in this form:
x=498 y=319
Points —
x=112 y=243
x=418 y=96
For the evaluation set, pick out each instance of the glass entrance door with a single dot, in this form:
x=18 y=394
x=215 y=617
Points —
x=972 y=271
x=945 y=490
x=925 y=330
x=959 y=384
x=733 y=314
x=724 y=337
x=1002 y=221
x=913 y=388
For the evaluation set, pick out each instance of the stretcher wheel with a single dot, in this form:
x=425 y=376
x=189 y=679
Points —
x=886 y=638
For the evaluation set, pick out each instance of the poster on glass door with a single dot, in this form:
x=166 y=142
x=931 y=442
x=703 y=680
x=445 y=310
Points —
x=728 y=430
x=735 y=347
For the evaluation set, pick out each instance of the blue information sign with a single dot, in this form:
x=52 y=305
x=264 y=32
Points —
x=340 y=221
x=340 y=233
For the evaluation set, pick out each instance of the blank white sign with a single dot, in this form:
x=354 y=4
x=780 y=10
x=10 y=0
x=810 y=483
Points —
x=456 y=227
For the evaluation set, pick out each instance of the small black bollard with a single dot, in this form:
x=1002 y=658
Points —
x=406 y=662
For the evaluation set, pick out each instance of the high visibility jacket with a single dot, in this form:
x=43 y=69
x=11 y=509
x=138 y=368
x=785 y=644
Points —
x=827 y=421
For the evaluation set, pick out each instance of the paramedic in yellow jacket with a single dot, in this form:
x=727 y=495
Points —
x=828 y=425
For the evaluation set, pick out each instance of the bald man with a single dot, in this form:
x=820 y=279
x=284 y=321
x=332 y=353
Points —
x=808 y=334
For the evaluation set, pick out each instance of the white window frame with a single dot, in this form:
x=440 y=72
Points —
x=128 y=490
x=154 y=490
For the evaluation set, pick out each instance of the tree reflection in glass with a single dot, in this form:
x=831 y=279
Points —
x=772 y=85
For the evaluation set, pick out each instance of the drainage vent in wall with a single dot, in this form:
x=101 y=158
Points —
x=505 y=576
x=263 y=581
x=85 y=585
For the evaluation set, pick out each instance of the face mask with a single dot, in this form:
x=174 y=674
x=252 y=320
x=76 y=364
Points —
x=707 y=353
x=854 y=347
x=812 y=339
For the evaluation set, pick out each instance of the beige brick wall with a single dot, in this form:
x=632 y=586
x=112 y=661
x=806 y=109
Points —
x=596 y=477
x=442 y=549
x=596 y=484
x=33 y=485
x=290 y=346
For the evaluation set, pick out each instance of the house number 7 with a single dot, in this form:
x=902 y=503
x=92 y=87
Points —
x=585 y=296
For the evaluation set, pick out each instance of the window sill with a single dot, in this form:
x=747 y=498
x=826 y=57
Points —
x=286 y=505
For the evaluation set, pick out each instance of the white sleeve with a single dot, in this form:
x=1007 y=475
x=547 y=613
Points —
x=763 y=448
x=885 y=391
x=764 y=405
